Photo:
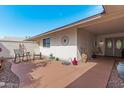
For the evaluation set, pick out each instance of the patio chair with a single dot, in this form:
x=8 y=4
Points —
x=22 y=53
x=28 y=56
x=18 y=55
x=37 y=53
x=26 y=53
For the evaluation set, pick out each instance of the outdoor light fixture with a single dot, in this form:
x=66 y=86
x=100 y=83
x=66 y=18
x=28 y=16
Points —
x=101 y=43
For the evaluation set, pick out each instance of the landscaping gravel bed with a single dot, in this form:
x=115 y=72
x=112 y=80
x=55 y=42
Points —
x=7 y=78
x=115 y=81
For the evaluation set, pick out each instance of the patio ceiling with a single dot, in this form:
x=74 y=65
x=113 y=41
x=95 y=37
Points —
x=112 y=26
x=112 y=23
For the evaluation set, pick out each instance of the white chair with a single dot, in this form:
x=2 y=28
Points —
x=37 y=53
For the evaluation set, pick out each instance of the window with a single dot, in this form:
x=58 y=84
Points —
x=46 y=42
x=118 y=44
x=109 y=44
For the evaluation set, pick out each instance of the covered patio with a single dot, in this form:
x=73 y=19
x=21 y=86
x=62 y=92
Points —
x=106 y=32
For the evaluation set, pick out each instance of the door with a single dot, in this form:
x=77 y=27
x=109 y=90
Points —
x=109 y=47
x=118 y=43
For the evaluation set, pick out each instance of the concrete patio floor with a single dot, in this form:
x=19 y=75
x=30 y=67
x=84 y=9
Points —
x=93 y=74
x=96 y=77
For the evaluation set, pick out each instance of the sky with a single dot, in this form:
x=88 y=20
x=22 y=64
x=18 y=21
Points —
x=25 y=20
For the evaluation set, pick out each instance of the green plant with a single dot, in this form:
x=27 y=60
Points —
x=57 y=59
x=51 y=56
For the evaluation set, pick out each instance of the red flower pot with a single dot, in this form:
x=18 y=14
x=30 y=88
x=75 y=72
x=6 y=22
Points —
x=75 y=62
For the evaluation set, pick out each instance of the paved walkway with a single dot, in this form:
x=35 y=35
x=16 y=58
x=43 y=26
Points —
x=97 y=77
x=55 y=75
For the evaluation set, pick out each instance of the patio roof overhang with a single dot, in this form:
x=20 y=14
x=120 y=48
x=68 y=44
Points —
x=112 y=23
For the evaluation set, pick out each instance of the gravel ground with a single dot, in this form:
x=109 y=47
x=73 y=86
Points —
x=7 y=78
x=115 y=81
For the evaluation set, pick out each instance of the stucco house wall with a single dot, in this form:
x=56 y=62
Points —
x=64 y=52
x=85 y=40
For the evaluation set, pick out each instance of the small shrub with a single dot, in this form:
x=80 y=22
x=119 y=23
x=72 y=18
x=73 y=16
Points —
x=57 y=59
x=51 y=56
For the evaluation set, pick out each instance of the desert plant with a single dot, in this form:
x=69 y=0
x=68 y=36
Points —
x=51 y=56
x=57 y=59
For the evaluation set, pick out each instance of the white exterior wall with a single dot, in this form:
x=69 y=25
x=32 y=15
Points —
x=102 y=38
x=9 y=46
x=57 y=49
x=85 y=41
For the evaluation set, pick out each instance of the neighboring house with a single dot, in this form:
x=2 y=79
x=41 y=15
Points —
x=104 y=31
x=8 y=38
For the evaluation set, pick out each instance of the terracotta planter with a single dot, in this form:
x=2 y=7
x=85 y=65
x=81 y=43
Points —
x=120 y=69
x=84 y=57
